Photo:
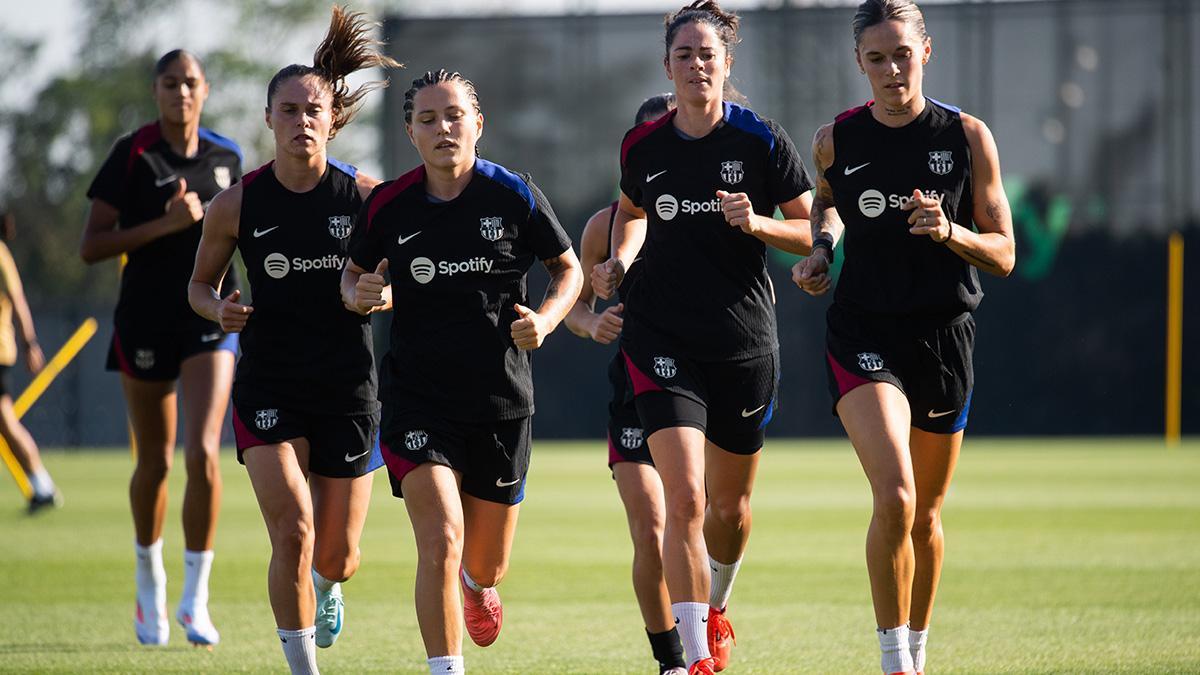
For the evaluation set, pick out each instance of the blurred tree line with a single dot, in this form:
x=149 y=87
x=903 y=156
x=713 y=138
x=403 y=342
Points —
x=58 y=139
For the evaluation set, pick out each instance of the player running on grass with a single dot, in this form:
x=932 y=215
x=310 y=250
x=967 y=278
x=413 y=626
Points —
x=147 y=202
x=917 y=184
x=700 y=186
x=629 y=459
x=305 y=409
x=458 y=234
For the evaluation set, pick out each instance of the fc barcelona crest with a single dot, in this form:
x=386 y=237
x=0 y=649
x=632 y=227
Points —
x=664 y=367
x=940 y=162
x=870 y=362
x=222 y=177
x=491 y=228
x=265 y=419
x=731 y=172
x=340 y=226
x=144 y=359
x=416 y=439
x=631 y=438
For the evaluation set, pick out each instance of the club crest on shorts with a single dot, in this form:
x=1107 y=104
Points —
x=265 y=419
x=664 y=367
x=415 y=439
x=491 y=228
x=940 y=162
x=340 y=226
x=870 y=362
x=144 y=359
x=731 y=172
x=631 y=438
x=222 y=177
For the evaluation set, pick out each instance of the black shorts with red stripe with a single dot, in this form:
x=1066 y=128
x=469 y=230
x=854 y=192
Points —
x=931 y=363
x=626 y=438
x=492 y=457
x=340 y=446
x=155 y=353
x=732 y=402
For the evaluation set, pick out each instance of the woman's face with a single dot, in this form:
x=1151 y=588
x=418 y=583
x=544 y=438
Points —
x=698 y=64
x=180 y=91
x=893 y=56
x=301 y=115
x=445 y=125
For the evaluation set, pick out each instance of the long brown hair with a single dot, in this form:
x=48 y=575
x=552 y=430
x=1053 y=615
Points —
x=347 y=48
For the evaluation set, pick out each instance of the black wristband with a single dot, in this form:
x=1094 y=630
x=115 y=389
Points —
x=825 y=243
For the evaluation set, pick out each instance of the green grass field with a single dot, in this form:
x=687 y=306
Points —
x=1062 y=557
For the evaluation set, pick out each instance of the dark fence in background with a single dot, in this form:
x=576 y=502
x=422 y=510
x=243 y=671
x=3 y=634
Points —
x=1093 y=108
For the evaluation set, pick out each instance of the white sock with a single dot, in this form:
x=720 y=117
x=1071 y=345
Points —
x=447 y=665
x=692 y=620
x=196 y=567
x=722 y=582
x=322 y=584
x=916 y=647
x=151 y=575
x=471 y=582
x=300 y=649
x=893 y=649
x=42 y=484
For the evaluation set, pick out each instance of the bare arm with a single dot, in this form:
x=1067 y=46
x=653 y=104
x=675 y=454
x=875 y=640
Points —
x=566 y=279
x=812 y=273
x=23 y=319
x=628 y=235
x=217 y=244
x=792 y=234
x=102 y=239
x=582 y=319
x=365 y=185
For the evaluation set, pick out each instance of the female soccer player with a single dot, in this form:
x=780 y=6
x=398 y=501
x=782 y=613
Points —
x=459 y=234
x=908 y=176
x=147 y=202
x=305 y=410
x=14 y=309
x=628 y=457
x=700 y=186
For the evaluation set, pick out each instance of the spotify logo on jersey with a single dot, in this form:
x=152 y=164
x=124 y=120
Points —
x=422 y=270
x=872 y=203
x=666 y=206
x=277 y=265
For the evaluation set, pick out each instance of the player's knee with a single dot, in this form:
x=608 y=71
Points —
x=687 y=508
x=202 y=466
x=441 y=545
x=337 y=564
x=895 y=511
x=491 y=575
x=647 y=537
x=154 y=467
x=292 y=536
x=927 y=525
x=732 y=512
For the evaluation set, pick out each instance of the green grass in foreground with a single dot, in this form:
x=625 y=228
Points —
x=1062 y=557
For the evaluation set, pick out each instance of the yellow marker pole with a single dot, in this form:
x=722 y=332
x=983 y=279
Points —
x=1174 y=339
x=37 y=387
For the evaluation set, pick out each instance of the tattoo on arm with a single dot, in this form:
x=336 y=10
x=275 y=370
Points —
x=977 y=260
x=555 y=267
x=994 y=212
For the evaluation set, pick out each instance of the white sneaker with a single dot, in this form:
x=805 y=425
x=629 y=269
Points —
x=150 y=619
x=196 y=621
x=331 y=613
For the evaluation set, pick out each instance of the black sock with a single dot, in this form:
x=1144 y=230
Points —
x=667 y=649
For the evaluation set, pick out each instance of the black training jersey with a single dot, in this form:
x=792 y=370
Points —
x=704 y=284
x=138 y=178
x=302 y=349
x=887 y=270
x=457 y=268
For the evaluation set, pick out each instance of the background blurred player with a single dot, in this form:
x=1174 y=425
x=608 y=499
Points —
x=628 y=457
x=909 y=177
x=699 y=336
x=15 y=310
x=147 y=202
x=305 y=408
x=459 y=234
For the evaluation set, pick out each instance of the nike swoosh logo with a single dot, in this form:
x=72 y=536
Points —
x=650 y=178
x=356 y=457
x=211 y=337
x=747 y=413
x=500 y=483
x=860 y=166
x=403 y=239
x=166 y=181
x=258 y=233
x=932 y=414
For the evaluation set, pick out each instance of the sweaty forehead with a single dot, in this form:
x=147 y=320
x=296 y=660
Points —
x=888 y=36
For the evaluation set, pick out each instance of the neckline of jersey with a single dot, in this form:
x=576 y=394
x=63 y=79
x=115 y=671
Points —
x=907 y=128
x=324 y=177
